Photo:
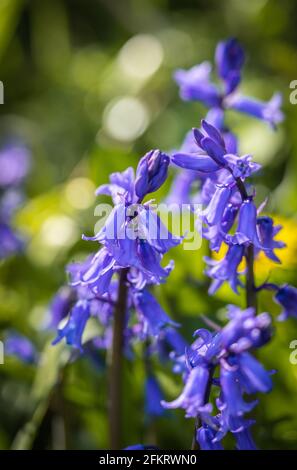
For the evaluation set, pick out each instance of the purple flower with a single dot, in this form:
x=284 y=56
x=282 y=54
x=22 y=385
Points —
x=244 y=440
x=153 y=397
x=232 y=391
x=252 y=375
x=246 y=233
x=195 y=85
x=14 y=164
x=20 y=347
x=96 y=272
x=226 y=269
x=213 y=214
x=266 y=111
x=60 y=305
x=74 y=328
x=245 y=330
x=151 y=312
x=266 y=232
x=120 y=188
x=229 y=59
x=205 y=437
x=241 y=167
x=216 y=234
x=151 y=173
x=286 y=296
x=192 y=397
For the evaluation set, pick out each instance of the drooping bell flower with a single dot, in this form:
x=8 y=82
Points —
x=193 y=394
x=266 y=232
x=252 y=375
x=153 y=398
x=74 y=328
x=213 y=214
x=152 y=313
x=232 y=390
x=286 y=297
x=246 y=232
x=205 y=437
x=60 y=305
x=245 y=330
x=244 y=440
x=226 y=270
x=216 y=234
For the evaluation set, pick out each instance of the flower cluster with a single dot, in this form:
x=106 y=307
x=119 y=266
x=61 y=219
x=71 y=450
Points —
x=230 y=219
x=224 y=359
x=195 y=85
x=14 y=164
x=133 y=239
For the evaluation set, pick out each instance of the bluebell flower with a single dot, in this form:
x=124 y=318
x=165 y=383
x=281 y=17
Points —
x=241 y=167
x=20 y=347
x=244 y=440
x=60 y=305
x=95 y=272
x=153 y=314
x=266 y=111
x=151 y=173
x=229 y=58
x=205 y=437
x=153 y=397
x=195 y=85
x=120 y=188
x=286 y=297
x=213 y=214
x=245 y=330
x=226 y=270
x=216 y=234
x=193 y=394
x=252 y=375
x=266 y=232
x=233 y=392
x=246 y=232
x=74 y=328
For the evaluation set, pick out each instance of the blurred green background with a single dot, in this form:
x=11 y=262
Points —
x=89 y=89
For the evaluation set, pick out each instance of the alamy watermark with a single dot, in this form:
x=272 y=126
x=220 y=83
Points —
x=1 y=352
x=293 y=94
x=1 y=93
x=293 y=355
x=150 y=222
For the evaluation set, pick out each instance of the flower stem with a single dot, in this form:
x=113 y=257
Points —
x=115 y=379
x=251 y=294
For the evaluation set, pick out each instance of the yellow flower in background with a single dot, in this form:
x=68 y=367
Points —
x=287 y=255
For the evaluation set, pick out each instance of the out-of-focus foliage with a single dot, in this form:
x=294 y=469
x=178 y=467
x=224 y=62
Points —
x=88 y=88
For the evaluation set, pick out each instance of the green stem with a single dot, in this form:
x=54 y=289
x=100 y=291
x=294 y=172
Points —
x=116 y=365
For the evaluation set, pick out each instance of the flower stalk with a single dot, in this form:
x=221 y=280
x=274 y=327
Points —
x=116 y=365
